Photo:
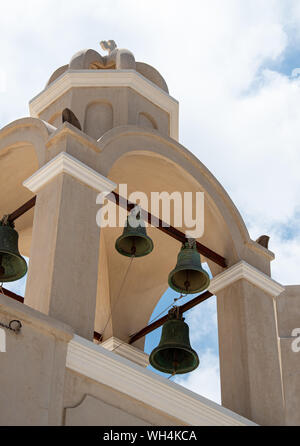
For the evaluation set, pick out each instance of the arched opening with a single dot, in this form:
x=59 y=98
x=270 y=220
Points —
x=146 y=171
x=18 y=162
x=203 y=332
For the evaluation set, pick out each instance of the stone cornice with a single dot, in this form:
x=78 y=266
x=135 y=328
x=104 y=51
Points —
x=109 y=369
x=243 y=270
x=65 y=163
x=107 y=78
x=127 y=351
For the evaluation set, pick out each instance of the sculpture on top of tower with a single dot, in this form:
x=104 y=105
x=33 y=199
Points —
x=108 y=45
x=116 y=59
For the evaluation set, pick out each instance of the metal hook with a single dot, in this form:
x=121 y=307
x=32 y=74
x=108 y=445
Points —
x=18 y=325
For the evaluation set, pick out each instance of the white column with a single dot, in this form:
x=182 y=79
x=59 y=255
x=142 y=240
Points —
x=63 y=269
x=249 y=358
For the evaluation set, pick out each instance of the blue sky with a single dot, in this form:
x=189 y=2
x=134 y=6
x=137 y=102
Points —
x=230 y=65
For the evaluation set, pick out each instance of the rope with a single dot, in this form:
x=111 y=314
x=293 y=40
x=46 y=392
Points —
x=118 y=296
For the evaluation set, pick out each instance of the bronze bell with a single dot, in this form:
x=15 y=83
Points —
x=12 y=265
x=134 y=242
x=174 y=354
x=188 y=276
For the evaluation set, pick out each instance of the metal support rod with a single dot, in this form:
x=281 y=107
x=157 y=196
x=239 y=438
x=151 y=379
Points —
x=151 y=219
x=170 y=230
x=12 y=295
x=23 y=209
x=182 y=309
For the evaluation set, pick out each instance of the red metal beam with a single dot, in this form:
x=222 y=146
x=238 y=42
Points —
x=170 y=230
x=182 y=309
x=22 y=209
x=151 y=219
x=13 y=295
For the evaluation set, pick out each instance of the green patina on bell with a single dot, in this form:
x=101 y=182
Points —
x=134 y=241
x=174 y=354
x=188 y=276
x=12 y=265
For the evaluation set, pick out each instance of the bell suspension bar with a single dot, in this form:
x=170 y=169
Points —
x=146 y=216
x=167 y=229
x=182 y=309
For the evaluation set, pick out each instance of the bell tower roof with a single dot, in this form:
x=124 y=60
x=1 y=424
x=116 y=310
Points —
x=91 y=74
x=117 y=59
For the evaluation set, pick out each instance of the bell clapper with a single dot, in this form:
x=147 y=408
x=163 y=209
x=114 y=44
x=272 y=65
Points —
x=187 y=282
x=175 y=363
x=187 y=285
x=133 y=248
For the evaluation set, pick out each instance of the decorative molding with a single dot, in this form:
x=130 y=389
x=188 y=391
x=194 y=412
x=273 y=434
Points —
x=254 y=246
x=129 y=352
x=65 y=163
x=108 y=78
x=107 y=368
x=243 y=270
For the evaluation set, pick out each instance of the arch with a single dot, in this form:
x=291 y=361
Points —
x=56 y=74
x=152 y=75
x=122 y=59
x=98 y=119
x=84 y=58
x=27 y=131
x=131 y=140
x=22 y=152
x=147 y=161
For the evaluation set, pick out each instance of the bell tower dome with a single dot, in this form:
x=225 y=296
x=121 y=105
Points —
x=108 y=91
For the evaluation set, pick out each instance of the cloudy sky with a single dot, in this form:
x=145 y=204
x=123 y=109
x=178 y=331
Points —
x=232 y=64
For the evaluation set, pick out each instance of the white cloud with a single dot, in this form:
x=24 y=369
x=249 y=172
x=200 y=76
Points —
x=205 y=380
